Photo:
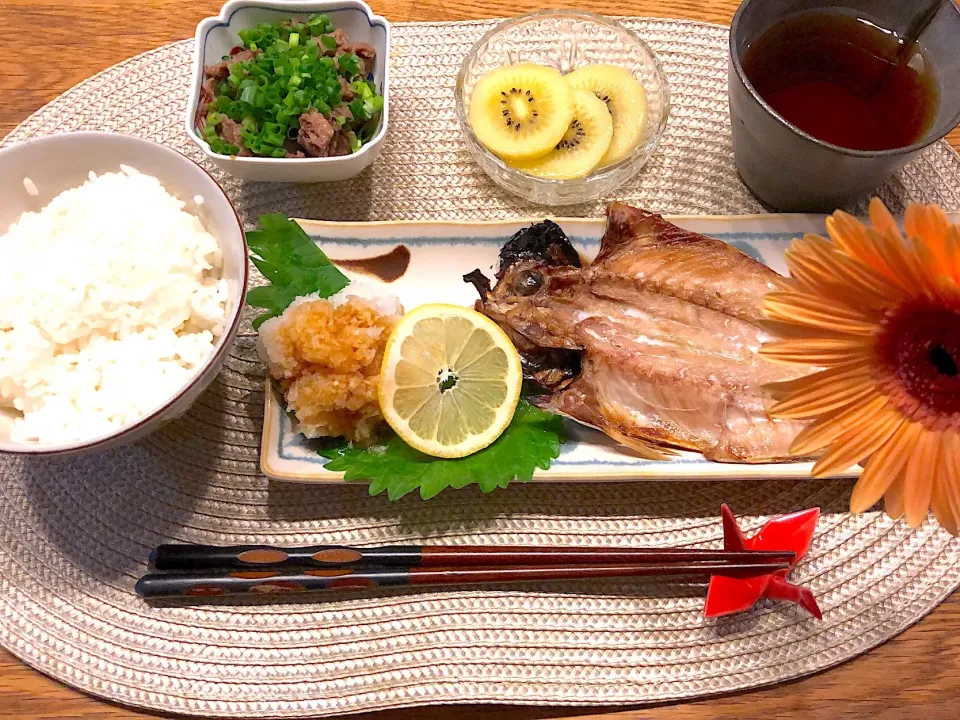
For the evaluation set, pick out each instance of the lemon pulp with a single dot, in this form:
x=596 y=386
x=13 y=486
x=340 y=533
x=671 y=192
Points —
x=450 y=380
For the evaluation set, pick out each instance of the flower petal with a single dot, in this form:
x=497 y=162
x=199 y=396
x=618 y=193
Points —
x=831 y=426
x=817 y=351
x=930 y=265
x=817 y=312
x=842 y=371
x=902 y=262
x=822 y=269
x=941 y=509
x=883 y=467
x=852 y=238
x=949 y=472
x=940 y=501
x=928 y=222
x=918 y=478
x=832 y=390
x=882 y=220
x=788 y=331
x=853 y=446
x=893 y=498
x=951 y=252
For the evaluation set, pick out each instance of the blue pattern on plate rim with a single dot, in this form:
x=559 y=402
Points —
x=740 y=240
x=291 y=446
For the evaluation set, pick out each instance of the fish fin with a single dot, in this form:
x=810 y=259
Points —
x=575 y=405
x=644 y=449
x=627 y=225
x=480 y=282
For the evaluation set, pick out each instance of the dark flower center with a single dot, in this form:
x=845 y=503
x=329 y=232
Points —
x=919 y=349
x=942 y=360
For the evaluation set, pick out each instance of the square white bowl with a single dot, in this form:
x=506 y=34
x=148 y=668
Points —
x=217 y=36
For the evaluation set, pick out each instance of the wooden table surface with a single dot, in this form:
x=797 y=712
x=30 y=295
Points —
x=49 y=46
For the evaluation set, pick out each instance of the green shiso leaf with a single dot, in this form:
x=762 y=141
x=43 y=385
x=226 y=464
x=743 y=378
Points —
x=531 y=441
x=293 y=265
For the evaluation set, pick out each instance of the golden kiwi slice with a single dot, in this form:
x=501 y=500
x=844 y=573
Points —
x=625 y=98
x=521 y=111
x=582 y=146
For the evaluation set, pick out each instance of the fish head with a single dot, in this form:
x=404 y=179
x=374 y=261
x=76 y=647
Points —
x=535 y=264
x=543 y=243
x=522 y=281
x=527 y=262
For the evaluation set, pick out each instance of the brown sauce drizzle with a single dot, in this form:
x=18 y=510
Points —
x=388 y=268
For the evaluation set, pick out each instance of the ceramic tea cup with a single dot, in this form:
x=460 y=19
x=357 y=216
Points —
x=791 y=170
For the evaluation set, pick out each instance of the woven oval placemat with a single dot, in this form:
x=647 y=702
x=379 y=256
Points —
x=75 y=534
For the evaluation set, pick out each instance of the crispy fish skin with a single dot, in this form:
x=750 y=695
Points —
x=668 y=323
x=670 y=260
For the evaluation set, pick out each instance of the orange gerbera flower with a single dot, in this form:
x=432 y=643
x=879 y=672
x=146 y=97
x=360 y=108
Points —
x=878 y=315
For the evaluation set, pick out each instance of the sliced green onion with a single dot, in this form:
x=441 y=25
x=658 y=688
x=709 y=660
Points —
x=358 y=109
x=289 y=76
x=363 y=89
x=349 y=65
x=368 y=130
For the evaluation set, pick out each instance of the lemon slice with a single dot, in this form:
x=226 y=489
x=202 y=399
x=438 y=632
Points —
x=450 y=380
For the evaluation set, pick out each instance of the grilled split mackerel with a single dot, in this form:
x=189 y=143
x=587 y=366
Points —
x=654 y=343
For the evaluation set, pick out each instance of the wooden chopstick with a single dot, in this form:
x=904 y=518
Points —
x=176 y=557
x=236 y=582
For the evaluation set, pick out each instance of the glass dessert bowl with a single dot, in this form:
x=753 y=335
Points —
x=565 y=40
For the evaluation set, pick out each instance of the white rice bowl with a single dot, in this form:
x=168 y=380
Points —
x=111 y=299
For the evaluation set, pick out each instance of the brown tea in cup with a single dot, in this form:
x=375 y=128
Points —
x=840 y=78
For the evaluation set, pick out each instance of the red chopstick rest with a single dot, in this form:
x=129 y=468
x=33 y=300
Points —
x=727 y=595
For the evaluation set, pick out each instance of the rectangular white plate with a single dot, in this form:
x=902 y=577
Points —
x=442 y=252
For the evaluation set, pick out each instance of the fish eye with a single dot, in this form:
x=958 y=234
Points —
x=528 y=282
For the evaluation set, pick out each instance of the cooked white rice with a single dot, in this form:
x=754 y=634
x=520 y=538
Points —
x=111 y=298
